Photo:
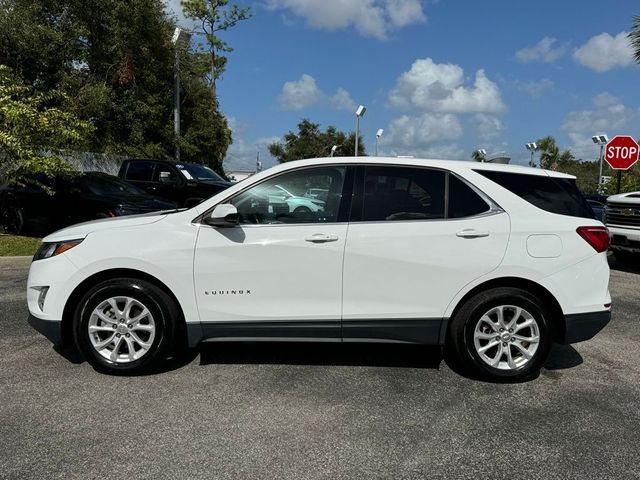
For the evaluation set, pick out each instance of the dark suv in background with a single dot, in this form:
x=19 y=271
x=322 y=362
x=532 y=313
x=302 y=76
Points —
x=187 y=184
x=29 y=209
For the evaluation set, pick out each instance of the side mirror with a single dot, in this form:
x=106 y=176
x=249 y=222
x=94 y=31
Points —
x=225 y=215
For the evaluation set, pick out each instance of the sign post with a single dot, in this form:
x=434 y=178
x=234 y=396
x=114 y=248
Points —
x=621 y=153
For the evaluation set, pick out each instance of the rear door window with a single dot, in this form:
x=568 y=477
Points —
x=554 y=195
x=140 y=171
x=403 y=193
x=463 y=200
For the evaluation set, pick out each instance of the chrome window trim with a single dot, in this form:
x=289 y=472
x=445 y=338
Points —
x=494 y=208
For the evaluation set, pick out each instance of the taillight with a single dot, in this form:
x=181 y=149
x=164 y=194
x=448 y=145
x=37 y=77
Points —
x=597 y=237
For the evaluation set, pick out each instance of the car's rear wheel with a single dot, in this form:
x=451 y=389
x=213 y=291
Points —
x=125 y=325
x=502 y=334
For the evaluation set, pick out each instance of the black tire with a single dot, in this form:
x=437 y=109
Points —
x=12 y=220
x=460 y=341
x=302 y=210
x=164 y=312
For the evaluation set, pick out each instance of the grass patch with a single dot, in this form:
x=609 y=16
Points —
x=13 y=246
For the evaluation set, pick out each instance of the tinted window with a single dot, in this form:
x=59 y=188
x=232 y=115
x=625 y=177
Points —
x=400 y=193
x=281 y=199
x=140 y=171
x=105 y=185
x=165 y=174
x=463 y=201
x=200 y=172
x=555 y=195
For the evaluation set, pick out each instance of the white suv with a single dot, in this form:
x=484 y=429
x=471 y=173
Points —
x=495 y=262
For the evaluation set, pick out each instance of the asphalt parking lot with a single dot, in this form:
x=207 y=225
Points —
x=319 y=411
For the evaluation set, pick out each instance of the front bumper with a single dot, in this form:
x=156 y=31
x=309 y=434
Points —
x=52 y=329
x=584 y=326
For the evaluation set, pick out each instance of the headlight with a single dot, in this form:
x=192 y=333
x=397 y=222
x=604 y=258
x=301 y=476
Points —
x=52 y=249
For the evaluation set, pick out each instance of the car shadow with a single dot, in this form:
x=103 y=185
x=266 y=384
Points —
x=563 y=357
x=322 y=354
x=628 y=266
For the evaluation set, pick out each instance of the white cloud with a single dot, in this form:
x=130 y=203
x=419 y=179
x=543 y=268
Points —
x=299 y=94
x=430 y=86
x=489 y=127
x=342 y=100
x=543 y=51
x=609 y=115
x=536 y=88
x=242 y=153
x=424 y=135
x=604 y=52
x=303 y=93
x=371 y=18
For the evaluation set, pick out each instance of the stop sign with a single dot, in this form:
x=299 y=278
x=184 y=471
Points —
x=621 y=152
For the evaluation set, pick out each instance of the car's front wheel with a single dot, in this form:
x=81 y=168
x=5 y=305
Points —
x=124 y=325
x=502 y=334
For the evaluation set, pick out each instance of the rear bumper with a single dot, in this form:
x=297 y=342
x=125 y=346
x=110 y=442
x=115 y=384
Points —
x=52 y=329
x=624 y=239
x=583 y=326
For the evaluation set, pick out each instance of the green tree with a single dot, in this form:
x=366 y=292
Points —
x=550 y=155
x=478 y=156
x=34 y=131
x=212 y=17
x=634 y=36
x=114 y=60
x=311 y=142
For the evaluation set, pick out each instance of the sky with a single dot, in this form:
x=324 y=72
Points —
x=442 y=78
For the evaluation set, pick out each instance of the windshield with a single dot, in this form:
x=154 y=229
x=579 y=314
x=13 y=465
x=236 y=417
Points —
x=199 y=172
x=107 y=185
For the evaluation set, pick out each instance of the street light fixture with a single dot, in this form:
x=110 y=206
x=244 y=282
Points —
x=333 y=150
x=600 y=139
x=483 y=152
x=180 y=39
x=378 y=135
x=359 y=113
x=532 y=147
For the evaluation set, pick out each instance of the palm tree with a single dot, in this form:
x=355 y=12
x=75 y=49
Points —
x=550 y=155
x=634 y=36
x=479 y=156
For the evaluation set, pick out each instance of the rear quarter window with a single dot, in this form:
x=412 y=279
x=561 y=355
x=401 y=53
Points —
x=554 y=195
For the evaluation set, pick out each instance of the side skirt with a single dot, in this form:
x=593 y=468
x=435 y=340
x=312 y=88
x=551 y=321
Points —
x=430 y=331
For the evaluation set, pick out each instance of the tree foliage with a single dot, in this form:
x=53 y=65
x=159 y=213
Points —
x=33 y=130
x=634 y=37
x=213 y=16
x=311 y=142
x=113 y=61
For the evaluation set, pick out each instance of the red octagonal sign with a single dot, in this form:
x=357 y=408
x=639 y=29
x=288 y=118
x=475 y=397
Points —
x=621 y=152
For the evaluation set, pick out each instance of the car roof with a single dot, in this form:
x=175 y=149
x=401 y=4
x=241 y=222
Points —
x=425 y=162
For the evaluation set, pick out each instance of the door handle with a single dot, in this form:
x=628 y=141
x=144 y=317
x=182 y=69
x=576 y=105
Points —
x=321 y=238
x=472 y=233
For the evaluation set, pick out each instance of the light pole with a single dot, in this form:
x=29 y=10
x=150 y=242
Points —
x=181 y=38
x=378 y=135
x=600 y=139
x=359 y=113
x=532 y=147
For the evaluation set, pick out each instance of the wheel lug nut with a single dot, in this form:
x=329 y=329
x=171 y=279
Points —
x=129 y=325
x=117 y=335
x=502 y=329
x=127 y=335
x=114 y=326
x=511 y=330
x=498 y=338
x=504 y=344
x=513 y=339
